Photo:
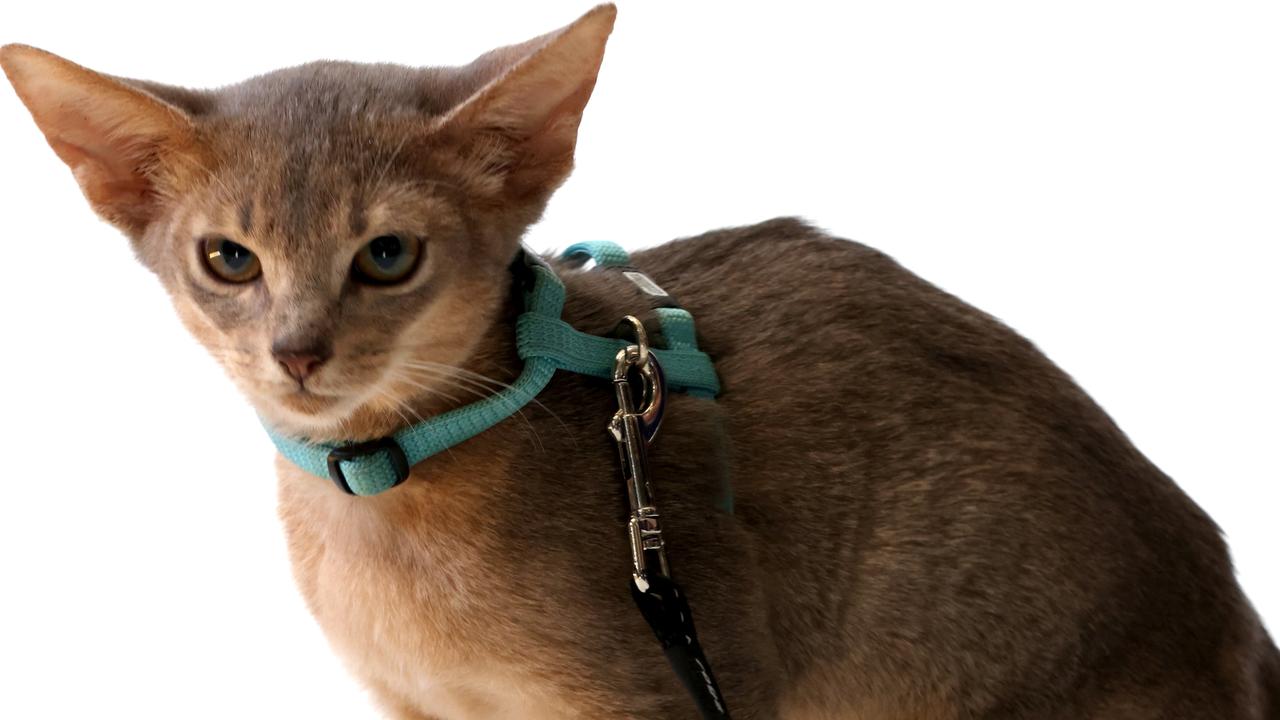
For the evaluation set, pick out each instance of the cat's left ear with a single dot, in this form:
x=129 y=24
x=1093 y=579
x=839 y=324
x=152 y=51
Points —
x=521 y=120
x=115 y=137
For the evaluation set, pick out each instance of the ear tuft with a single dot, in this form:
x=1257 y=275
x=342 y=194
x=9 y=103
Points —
x=112 y=135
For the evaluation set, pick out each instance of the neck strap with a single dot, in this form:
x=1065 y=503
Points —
x=546 y=343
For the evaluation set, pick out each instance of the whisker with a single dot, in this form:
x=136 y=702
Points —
x=344 y=425
x=397 y=376
x=479 y=390
x=482 y=392
x=477 y=379
x=401 y=377
x=395 y=405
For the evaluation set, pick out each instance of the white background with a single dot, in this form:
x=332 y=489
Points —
x=1101 y=175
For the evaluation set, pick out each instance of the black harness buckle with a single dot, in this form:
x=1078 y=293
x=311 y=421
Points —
x=395 y=453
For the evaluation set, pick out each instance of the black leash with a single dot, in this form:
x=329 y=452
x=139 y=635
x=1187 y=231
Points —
x=664 y=607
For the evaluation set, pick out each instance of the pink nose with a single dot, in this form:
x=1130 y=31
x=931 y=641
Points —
x=301 y=364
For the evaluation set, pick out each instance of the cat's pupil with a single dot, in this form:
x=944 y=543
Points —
x=234 y=256
x=385 y=251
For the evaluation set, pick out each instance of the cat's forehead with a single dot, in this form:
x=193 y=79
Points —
x=321 y=117
x=338 y=95
x=305 y=147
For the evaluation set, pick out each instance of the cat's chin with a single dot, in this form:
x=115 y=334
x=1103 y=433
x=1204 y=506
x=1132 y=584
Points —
x=315 y=416
x=358 y=413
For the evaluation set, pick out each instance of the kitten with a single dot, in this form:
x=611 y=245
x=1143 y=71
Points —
x=931 y=520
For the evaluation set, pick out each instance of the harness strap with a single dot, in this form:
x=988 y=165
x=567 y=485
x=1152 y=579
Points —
x=688 y=370
x=676 y=323
x=546 y=343
x=603 y=252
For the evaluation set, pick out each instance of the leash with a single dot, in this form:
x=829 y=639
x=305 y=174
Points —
x=641 y=376
x=660 y=600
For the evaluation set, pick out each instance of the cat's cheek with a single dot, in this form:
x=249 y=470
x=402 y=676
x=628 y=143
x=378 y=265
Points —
x=160 y=247
x=452 y=325
x=196 y=322
x=154 y=251
x=235 y=355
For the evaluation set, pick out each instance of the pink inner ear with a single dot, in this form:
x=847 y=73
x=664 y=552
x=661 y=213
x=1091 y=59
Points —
x=110 y=134
x=108 y=146
x=115 y=185
x=113 y=161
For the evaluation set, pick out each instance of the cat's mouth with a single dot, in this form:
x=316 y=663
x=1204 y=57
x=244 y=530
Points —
x=315 y=408
x=306 y=412
x=308 y=402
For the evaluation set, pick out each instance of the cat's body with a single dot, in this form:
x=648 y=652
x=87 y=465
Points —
x=930 y=520
x=926 y=524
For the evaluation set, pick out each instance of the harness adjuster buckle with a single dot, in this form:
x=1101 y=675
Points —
x=395 y=454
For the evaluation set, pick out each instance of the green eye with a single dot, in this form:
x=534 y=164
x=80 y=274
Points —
x=386 y=260
x=228 y=261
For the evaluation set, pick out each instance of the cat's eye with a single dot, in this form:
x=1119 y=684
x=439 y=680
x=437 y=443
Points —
x=386 y=260
x=229 y=261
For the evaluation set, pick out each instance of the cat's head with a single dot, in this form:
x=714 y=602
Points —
x=330 y=232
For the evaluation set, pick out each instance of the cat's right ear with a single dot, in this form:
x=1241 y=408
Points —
x=116 y=138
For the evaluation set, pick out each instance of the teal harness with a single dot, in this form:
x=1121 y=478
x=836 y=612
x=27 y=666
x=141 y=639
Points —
x=545 y=343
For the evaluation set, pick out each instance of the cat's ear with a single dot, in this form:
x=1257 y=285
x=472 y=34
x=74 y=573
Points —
x=528 y=100
x=116 y=137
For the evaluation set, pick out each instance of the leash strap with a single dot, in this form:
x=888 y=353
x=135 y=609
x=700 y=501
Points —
x=665 y=609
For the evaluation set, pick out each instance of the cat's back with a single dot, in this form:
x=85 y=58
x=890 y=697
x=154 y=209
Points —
x=928 y=491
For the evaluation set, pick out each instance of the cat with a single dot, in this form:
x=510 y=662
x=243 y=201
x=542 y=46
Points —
x=930 y=519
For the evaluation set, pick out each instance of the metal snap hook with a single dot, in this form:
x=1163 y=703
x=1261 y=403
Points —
x=641 y=344
x=652 y=395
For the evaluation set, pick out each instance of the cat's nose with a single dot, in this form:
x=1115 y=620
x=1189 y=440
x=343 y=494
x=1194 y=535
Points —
x=301 y=362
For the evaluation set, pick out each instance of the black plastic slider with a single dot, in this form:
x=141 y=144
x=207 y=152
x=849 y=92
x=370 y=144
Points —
x=395 y=454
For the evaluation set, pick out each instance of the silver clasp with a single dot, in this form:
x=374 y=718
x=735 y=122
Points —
x=632 y=429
